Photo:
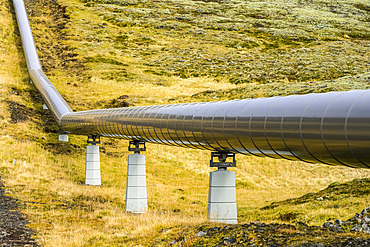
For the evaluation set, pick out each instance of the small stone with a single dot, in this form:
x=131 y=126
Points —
x=317 y=245
x=338 y=222
x=173 y=242
x=228 y=241
x=361 y=228
x=332 y=227
x=356 y=228
x=366 y=219
x=201 y=234
x=365 y=228
x=327 y=224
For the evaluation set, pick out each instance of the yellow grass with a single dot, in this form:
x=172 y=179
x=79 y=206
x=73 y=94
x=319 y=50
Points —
x=64 y=212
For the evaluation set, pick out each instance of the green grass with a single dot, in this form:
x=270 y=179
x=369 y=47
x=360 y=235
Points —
x=227 y=45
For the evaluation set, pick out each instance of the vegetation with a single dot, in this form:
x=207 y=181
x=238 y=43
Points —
x=136 y=52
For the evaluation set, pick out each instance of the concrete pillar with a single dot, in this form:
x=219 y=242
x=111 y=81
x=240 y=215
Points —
x=222 y=197
x=92 y=172
x=136 y=195
x=63 y=138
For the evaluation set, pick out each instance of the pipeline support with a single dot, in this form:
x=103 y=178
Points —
x=136 y=192
x=92 y=171
x=222 y=191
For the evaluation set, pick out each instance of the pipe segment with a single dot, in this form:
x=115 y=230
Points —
x=331 y=128
x=52 y=98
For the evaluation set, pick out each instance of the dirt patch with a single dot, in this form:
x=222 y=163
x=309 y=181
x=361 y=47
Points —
x=18 y=112
x=51 y=37
x=13 y=224
x=114 y=103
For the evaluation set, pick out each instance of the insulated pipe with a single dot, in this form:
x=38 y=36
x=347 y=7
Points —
x=54 y=101
x=331 y=128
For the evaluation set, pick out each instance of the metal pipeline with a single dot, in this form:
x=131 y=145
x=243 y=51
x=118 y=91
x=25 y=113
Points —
x=55 y=102
x=331 y=128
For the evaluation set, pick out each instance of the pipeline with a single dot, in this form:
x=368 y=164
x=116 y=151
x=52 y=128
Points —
x=331 y=128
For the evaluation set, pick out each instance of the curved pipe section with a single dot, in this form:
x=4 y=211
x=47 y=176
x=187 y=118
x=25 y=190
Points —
x=55 y=102
x=331 y=128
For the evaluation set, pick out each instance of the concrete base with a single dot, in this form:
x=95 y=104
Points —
x=63 y=138
x=222 y=197
x=136 y=194
x=92 y=172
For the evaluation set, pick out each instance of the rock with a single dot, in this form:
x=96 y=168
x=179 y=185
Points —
x=173 y=242
x=338 y=222
x=356 y=228
x=201 y=234
x=332 y=227
x=228 y=241
x=123 y=97
x=365 y=228
x=317 y=245
x=327 y=224
x=361 y=228
x=366 y=220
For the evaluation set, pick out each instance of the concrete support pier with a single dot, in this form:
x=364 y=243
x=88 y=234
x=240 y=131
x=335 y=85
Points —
x=136 y=193
x=92 y=172
x=63 y=138
x=222 y=192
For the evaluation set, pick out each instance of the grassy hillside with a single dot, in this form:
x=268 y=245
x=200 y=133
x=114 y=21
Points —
x=158 y=52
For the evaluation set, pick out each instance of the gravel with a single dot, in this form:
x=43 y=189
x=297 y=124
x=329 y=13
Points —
x=13 y=224
x=274 y=235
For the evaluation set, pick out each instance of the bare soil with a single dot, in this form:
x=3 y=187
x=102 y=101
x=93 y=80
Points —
x=13 y=224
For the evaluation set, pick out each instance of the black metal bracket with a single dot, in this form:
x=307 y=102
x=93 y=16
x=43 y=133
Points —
x=93 y=139
x=222 y=157
x=137 y=148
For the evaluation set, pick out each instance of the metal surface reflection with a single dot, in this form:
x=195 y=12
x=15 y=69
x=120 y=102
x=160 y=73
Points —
x=313 y=128
x=331 y=128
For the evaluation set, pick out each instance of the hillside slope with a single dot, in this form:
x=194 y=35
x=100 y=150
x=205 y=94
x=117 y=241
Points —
x=99 y=52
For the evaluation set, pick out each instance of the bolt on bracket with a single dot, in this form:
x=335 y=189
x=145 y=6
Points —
x=222 y=157
x=137 y=148
x=93 y=139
